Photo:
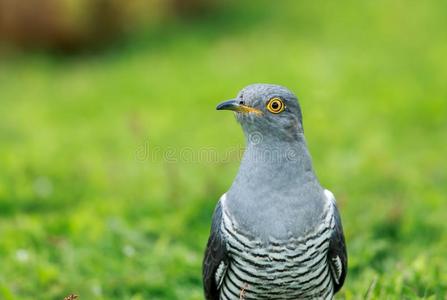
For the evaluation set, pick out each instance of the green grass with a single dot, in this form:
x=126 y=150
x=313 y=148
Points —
x=103 y=192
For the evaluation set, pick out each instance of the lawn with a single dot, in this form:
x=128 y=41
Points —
x=111 y=163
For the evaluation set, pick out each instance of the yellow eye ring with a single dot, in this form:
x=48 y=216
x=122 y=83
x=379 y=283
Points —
x=276 y=105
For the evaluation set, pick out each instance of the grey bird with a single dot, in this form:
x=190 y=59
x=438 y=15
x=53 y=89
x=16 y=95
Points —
x=276 y=233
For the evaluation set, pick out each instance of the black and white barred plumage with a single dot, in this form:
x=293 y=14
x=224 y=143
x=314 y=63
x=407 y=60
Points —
x=304 y=268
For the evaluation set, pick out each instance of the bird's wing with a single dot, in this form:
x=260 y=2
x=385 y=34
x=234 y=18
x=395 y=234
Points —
x=215 y=262
x=337 y=255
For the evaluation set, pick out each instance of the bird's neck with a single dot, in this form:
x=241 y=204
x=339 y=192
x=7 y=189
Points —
x=268 y=157
x=281 y=166
x=275 y=184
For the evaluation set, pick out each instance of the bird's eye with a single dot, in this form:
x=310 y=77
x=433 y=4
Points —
x=276 y=105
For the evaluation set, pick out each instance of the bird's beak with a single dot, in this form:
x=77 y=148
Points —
x=236 y=106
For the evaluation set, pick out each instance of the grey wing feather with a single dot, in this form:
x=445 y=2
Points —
x=216 y=257
x=337 y=254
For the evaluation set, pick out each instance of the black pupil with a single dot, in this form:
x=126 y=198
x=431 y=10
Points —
x=275 y=105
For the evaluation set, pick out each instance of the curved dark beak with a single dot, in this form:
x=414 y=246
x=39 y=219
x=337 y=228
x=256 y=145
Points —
x=237 y=106
x=229 y=105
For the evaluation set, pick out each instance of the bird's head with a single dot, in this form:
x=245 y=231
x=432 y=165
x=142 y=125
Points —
x=266 y=109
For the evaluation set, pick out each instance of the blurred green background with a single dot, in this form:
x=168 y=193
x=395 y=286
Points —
x=112 y=156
